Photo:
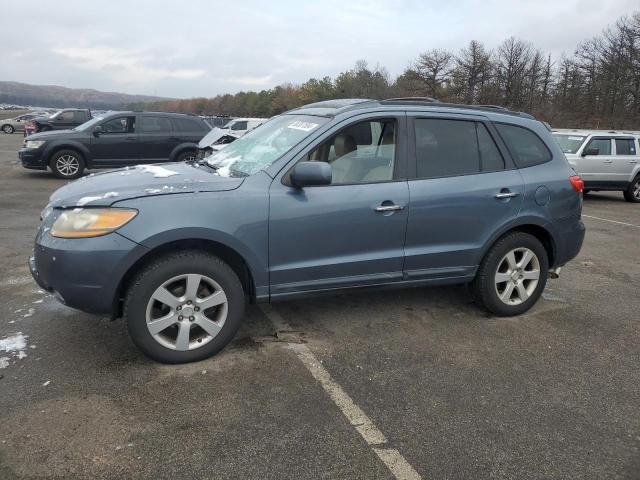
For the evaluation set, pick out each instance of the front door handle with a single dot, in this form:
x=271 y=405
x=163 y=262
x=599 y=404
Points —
x=608 y=161
x=506 y=194
x=388 y=208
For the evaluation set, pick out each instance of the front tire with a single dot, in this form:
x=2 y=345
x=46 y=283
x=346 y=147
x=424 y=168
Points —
x=184 y=307
x=632 y=193
x=512 y=275
x=67 y=164
x=8 y=129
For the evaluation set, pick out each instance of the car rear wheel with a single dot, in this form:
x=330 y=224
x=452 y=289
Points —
x=8 y=129
x=184 y=307
x=632 y=193
x=512 y=275
x=67 y=164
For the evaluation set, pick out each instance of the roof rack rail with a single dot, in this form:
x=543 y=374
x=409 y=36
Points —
x=412 y=99
x=496 y=107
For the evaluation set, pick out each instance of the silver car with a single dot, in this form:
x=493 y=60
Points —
x=10 y=125
x=606 y=160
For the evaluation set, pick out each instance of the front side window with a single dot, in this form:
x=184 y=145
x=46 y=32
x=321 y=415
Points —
x=65 y=116
x=119 y=125
x=446 y=148
x=569 y=143
x=599 y=146
x=525 y=146
x=625 y=146
x=360 y=153
x=154 y=124
x=261 y=147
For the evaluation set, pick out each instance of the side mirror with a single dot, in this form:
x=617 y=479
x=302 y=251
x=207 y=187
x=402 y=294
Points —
x=97 y=131
x=306 y=174
x=590 y=151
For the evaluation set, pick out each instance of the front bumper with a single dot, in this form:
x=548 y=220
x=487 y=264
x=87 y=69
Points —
x=32 y=158
x=83 y=273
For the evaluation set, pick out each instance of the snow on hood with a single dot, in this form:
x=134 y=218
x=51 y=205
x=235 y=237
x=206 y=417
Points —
x=105 y=188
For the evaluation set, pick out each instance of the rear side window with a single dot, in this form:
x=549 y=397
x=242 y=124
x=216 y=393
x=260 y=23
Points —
x=153 y=124
x=454 y=147
x=187 y=125
x=527 y=148
x=625 y=146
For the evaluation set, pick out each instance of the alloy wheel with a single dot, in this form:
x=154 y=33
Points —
x=67 y=165
x=636 y=189
x=517 y=276
x=186 y=312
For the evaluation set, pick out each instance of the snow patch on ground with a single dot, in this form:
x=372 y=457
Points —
x=15 y=346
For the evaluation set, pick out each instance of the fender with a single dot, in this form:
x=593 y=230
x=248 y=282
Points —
x=181 y=148
x=63 y=144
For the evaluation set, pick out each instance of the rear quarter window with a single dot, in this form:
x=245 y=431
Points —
x=524 y=145
x=187 y=125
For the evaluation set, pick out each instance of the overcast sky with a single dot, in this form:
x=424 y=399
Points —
x=201 y=48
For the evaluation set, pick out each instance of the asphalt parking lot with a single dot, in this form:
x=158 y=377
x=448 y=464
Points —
x=456 y=393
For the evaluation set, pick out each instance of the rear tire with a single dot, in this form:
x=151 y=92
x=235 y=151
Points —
x=168 y=278
x=506 y=283
x=8 y=129
x=67 y=164
x=632 y=193
x=186 y=156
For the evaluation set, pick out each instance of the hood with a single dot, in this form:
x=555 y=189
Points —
x=216 y=134
x=105 y=189
x=51 y=134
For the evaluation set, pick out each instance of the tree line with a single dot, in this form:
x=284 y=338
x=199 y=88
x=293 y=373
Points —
x=597 y=86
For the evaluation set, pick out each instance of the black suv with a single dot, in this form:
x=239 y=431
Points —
x=115 y=140
x=62 y=120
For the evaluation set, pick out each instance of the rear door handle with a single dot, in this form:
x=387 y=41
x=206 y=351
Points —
x=608 y=161
x=506 y=194
x=388 y=208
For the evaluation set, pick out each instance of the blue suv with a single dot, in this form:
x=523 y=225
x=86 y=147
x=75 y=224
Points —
x=333 y=196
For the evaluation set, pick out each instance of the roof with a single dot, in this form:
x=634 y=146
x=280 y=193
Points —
x=331 y=108
x=585 y=131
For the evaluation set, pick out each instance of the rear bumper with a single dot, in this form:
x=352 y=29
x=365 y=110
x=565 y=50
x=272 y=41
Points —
x=568 y=242
x=32 y=159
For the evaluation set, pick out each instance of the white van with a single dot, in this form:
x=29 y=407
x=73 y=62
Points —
x=218 y=138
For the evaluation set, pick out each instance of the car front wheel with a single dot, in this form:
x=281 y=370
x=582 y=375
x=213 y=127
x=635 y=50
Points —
x=67 y=164
x=8 y=129
x=512 y=275
x=184 y=307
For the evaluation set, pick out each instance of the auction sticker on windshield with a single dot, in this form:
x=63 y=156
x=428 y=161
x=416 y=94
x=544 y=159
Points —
x=304 y=126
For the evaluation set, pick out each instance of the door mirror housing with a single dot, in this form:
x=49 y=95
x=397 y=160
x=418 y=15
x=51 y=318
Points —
x=590 y=151
x=97 y=131
x=307 y=174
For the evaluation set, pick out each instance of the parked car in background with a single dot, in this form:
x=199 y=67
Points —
x=217 y=121
x=605 y=159
x=243 y=125
x=62 y=120
x=17 y=124
x=216 y=140
x=333 y=196
x=115 y=140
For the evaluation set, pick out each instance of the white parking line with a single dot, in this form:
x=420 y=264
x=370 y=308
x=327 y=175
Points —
x=612 y=221
x=392 y=458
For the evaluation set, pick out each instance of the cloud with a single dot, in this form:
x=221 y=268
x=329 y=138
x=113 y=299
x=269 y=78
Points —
x=123 y=66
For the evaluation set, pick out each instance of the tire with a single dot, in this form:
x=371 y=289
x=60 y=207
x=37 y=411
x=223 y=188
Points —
x=67 y=164
x=488 y=287
x=8 y=129
x=632 y=193
x=186 y=156
x=171 y=275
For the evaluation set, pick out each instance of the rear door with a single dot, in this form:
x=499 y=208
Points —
x=117 y=144
x=157 y=138
x=463 y=187
x=625 y=158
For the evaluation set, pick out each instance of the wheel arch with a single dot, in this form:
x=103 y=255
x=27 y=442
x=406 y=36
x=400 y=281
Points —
x=227 y=254
x=77 y=147
x=539 y=231
x=182 y=148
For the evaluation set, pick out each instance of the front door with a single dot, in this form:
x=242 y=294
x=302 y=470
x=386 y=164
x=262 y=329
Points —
x=351 y=232
x=463 y=188
x=597 y=168
x=117 y=143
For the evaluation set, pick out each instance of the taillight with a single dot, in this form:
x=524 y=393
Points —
x=577 y=183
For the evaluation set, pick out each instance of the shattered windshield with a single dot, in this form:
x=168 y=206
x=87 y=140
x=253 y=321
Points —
x=262 y=146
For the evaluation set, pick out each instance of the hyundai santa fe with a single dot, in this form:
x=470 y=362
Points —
x=333 y=196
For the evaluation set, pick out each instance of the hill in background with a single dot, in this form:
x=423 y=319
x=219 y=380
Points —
x=55 y=96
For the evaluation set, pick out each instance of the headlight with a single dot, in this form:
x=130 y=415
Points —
x=91 y=222
x=33 y=143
